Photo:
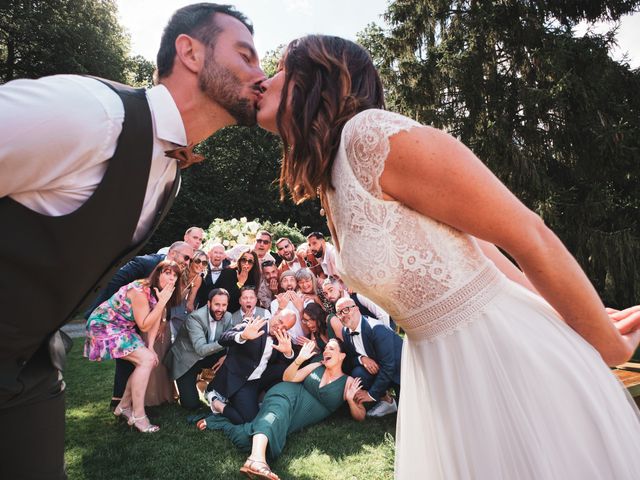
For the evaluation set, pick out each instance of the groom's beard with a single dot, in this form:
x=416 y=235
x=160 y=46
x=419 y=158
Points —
x=223 y=87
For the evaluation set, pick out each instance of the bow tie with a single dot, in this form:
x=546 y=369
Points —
x=353 y=334
x=185 y=156
x=216 y=269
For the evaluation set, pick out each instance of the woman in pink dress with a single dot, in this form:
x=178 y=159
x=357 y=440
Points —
x=112 y=332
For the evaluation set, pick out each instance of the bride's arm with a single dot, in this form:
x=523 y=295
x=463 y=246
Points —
x=436 y=175
x=505 y=265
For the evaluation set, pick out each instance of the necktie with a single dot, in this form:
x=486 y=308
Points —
x=185 y=156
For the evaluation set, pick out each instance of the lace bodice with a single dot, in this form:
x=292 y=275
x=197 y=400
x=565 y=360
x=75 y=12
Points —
x=429 y=276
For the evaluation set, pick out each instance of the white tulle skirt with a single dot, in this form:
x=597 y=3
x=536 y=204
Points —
x=515 y=394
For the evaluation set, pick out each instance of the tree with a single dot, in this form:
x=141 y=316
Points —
x=139 y=71
x=44 y=37
x=551 y=114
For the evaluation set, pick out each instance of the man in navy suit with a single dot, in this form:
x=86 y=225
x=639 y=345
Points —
x=375 y=351
x=254 y=363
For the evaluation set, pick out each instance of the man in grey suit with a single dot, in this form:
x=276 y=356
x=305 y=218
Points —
x=196 y=345
x=248 y=309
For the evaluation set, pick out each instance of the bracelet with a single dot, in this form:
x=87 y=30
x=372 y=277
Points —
x=298 y=364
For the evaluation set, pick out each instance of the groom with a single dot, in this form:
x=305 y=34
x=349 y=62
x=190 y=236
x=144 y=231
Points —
x=81 y=157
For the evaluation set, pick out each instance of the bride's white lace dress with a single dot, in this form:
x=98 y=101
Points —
x=494 y=384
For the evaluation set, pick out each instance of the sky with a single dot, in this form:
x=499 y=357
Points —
x=276 y=22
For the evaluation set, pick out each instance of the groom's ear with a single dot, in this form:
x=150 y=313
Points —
x=190 y=53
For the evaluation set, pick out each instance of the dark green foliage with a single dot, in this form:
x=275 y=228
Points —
x=139 y=71
x=45 y=37
x=236 y=180
x=552 y=115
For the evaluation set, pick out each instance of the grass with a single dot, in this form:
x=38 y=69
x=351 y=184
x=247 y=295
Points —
x=99 y=447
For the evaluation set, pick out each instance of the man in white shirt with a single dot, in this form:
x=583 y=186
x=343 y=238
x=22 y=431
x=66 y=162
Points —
x=324 y=252
x=289 y=299
x=58 y=137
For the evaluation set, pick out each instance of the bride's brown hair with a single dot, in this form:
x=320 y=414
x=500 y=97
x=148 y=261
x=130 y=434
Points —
x=330 y=80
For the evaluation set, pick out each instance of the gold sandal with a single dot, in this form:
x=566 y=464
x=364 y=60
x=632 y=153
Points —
x=133 y=422
x=262 y=471
x=122 y=413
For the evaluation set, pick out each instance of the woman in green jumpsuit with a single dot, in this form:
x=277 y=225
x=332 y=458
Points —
x=307 y=396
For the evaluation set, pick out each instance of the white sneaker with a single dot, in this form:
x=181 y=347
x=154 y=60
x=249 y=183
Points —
x=383 y=408
x=213 y=395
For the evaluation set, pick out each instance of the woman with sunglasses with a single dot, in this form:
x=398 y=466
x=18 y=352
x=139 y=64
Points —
x=245 y=272
x=192 y=279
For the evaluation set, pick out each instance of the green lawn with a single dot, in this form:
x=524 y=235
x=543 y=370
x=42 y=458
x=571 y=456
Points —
x=99 y=447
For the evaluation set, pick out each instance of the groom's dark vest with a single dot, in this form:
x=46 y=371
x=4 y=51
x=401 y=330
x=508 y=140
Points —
x=51 y=266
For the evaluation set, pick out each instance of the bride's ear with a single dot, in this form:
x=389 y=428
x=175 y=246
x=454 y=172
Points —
x=190 y=53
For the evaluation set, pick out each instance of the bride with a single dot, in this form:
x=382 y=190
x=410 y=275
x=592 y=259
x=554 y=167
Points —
x=504 y=373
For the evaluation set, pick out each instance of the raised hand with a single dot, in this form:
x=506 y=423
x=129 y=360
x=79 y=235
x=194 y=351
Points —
x=370 y=365
x=253 y=328
x=284 y=343
x=164 y=295
x=306 y=352
x=351 y=388
x=283 y=300
x=297 y=300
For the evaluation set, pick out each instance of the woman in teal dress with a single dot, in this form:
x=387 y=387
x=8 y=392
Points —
x=113 y=332
x=307 y=396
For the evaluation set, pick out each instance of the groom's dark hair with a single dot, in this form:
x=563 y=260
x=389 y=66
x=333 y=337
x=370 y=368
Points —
x=197 y=20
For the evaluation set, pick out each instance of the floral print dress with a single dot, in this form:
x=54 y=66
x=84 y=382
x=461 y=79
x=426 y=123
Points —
x=111 y=328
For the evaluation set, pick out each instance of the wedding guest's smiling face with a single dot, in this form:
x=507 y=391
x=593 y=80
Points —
x=268 y=105
x=231 y=75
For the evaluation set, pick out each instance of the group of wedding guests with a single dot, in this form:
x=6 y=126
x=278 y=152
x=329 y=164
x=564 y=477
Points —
x=287 y=342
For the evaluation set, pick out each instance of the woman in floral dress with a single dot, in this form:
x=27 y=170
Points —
x=113 y=332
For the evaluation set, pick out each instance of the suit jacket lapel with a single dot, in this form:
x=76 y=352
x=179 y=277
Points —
x=366 y=333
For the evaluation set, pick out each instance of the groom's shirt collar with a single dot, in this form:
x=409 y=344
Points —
x=167 y=120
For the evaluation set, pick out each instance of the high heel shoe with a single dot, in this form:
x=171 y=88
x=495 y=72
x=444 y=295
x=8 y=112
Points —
x=133 y=422
x=122 y=413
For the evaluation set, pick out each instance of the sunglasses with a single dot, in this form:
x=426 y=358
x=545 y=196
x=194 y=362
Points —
x=247 y=260
x=263 y=241
x=197 y=261
x=345 y=310
x=268 y=263
x=187 y=258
